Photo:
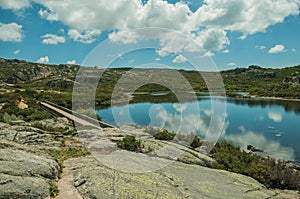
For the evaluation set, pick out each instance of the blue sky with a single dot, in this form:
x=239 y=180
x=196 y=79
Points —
x=228 y=34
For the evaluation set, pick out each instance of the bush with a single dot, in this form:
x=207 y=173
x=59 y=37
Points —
x=164 y=135
x=196 y=142
x=129 y=143
x=268 y=171
x=6 y=118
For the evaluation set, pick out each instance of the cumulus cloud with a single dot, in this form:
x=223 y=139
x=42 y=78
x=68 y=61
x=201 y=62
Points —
x=277 y=49
x=275 y=116
x=157 y=59
x=43 y=60
x=212 y=39
x=225 y=51
x=53 y=39
x=14 y=4
x=86 y=37
x=245 y=16
x=231 y=64
x=71 y=62
x=16 y=51
x=179 y=59
x=11 y=32
x=294 y=50
x=208 y=25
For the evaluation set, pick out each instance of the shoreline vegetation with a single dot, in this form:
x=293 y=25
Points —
x=23 y=84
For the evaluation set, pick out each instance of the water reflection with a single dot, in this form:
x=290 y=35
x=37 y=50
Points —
x=262 y=123
x=275 y=116
x=271 y=148
x=289 y=106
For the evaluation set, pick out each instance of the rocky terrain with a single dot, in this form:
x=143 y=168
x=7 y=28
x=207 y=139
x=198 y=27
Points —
x=163 y=170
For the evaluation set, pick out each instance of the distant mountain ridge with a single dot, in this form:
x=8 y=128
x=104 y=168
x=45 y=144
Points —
x=255 y=80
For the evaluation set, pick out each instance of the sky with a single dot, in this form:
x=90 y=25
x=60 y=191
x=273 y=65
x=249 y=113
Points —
x=181 y=34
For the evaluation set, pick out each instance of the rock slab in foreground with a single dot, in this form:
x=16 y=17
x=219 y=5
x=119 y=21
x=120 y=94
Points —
x=178 y=180
x=24 y=174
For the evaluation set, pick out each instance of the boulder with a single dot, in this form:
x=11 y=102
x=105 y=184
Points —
x=24 y=174
x=16 y=187
x=177 y=180
x=22 y=163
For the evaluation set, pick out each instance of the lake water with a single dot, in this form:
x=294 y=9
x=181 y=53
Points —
x=271 y=125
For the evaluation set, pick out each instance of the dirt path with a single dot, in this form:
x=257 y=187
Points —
x=65 y=186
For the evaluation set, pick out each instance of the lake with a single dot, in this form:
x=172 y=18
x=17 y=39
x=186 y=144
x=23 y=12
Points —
x=270 y=125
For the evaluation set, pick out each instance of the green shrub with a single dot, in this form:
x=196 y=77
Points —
x=129 y=143
x=196 y=142
x=164 y=135
x=53 y=189
x=5 y=117
x=268 y=171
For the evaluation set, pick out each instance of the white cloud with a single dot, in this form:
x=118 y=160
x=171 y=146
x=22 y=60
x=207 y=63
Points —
x=212 y=39
x=162 y=53
x=275 y=116
x=225 y=51
x=157 y=59
x=71 y=62
x=208 y=25
x=277 y=49
x=48 y=15
x=245 y=16
x=180 y=107
x=294 y=50
x=14 y=4
x=86 y=37
x=11 y=32
x=208 y=54
x=261 y=47
x=179 y=59
x=53 y=39
x=231 y=64
x=16 y=51
x=43 y=60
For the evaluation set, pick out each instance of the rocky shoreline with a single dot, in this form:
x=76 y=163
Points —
x=29 y=171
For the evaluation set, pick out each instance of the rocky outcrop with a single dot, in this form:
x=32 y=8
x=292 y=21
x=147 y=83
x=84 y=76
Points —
x=24 y=187
x=100 y=142
x=25 y=172
x=26 y=168
x=60 y=83
x=30 y=74
x=19 y=71
x=177 y=180
x=163 y=169
x=22 y=163
x=32 y=135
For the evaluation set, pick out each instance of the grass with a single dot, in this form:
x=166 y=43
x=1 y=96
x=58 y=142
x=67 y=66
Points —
x=72 y=150
x=53 y=189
